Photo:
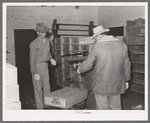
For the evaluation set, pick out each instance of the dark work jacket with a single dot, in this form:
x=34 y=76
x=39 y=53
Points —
x=110 y=58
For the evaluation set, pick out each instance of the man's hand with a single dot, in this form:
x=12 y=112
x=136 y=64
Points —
x=53 y=62
x=37 y=77
x=127 y=85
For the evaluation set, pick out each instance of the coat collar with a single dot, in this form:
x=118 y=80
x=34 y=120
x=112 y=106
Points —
x=107 y=38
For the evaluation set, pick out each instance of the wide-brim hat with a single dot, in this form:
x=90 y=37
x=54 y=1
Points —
x=99 y=30
x=40 y=27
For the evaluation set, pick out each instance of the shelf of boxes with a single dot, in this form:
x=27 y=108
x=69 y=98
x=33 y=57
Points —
x=135 y=40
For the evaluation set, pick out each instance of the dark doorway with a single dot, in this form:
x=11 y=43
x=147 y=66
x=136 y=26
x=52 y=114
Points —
x=23 y=38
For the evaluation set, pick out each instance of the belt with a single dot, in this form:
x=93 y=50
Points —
x=43 y=62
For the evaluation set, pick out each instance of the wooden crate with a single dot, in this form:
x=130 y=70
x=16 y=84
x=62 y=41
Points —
x=84 y=48
x=136 y=49
x=66 y=73
x=75 y=40
x=57 y=41
x=74 y=48
x=134 y=30
x=139 y=21
x=58 y=58
x=66 y=47
x=58 y=47
x=138 y=76
x=134 y=40
x=66 y=40
x=67 y=66
x=58 y=52
x=137 y=88
x=66 y=83
x=138 y=67
x=130 y=23
x=137 y=57
x=66 y=97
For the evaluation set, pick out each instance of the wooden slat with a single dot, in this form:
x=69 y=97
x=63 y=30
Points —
x=70 y=30
x=137 y=88
x=138 y=62
x=72 y=24
x=137 y=91
x=137 y=82
x=70 y=35
x=137 y=52
x=137 y=71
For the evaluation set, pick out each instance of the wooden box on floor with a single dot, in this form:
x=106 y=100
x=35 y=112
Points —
x=66 y=97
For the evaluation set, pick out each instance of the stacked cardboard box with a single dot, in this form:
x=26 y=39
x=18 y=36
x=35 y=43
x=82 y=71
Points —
x=12 y=88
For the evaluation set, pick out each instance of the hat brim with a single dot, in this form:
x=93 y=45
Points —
x=43 y=31
x=106 y=30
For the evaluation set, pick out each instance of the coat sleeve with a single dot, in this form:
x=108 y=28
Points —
x=89 y=62
x=127 y=66
x=33 y=58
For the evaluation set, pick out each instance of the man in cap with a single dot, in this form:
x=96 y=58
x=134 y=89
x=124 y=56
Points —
x=110 y=59
x=39 y=56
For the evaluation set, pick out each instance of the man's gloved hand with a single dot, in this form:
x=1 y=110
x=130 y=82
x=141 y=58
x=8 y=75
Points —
x=127 y=85
x=37 y=77
x=53 y=62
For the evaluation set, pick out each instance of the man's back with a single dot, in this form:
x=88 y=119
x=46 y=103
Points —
x=109 y=66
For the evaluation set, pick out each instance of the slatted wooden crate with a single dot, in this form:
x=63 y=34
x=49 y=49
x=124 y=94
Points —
x=74 y=40
x=67 y=66
x=66 y=47
x=134 y=30
x=84 y=48
x=57 y=52
x=134 y=40
x=136 y=49
x=138 y=76
x=66 y=83
x=66 y=40
x=137 y=57
x=58 y=58
x=74 y=48
x=137 y=88
x=58 y=47
x=57 y=41
x=66 y=97
x=66 y=73
x=138 y=67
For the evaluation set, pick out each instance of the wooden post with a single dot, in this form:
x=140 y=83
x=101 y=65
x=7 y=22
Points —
x=91 y=26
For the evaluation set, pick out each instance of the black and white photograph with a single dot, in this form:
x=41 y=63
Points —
x=75 y=61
